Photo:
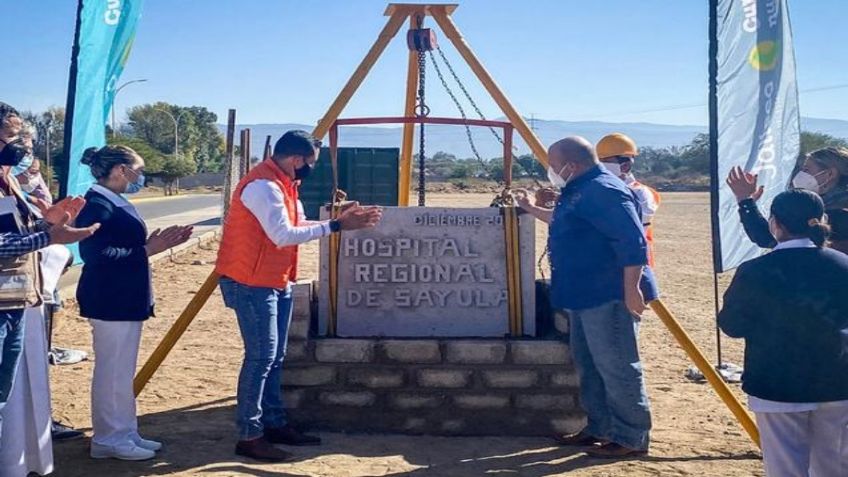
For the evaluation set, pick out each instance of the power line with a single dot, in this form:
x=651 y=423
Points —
x=702 y=105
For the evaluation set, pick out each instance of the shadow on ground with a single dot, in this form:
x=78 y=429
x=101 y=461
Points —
x=199 y=440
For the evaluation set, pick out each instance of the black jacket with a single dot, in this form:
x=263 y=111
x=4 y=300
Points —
x=115 y=283
x=791 y=307
x=756 y=225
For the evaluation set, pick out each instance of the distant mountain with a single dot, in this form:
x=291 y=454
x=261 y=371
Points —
x=453 y=139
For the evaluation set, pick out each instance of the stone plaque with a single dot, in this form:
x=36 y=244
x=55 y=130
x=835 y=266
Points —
x=427 y=271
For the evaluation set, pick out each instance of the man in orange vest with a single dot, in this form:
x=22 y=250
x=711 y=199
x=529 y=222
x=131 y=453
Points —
x=257 y=261
x=617 y=153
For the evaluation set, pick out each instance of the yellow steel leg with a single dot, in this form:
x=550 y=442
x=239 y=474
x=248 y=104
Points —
x=408 y=129
x=710 y=373
x=174 y=334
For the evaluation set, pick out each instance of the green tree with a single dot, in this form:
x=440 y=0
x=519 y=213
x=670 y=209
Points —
x=810 y=141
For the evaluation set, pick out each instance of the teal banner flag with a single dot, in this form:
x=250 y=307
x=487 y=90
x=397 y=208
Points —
x=102 y=44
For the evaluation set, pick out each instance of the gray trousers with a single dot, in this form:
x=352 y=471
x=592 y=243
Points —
x=801 y=444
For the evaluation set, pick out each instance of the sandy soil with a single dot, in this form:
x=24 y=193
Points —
x=189 y=403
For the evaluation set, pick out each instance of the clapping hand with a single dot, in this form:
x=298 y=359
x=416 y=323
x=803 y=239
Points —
x=358 y=217
x=62 y=233
x=744 y=185
x=546 y=197
x=161 y=240
x=522 y=198
x=56 y=213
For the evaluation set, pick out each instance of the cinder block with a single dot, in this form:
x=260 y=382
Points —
x=348 y=398
x=298 y=330
x=565 y=379
x=415 y=424
x=407 y=401
x=375 y=378
x=452 y=426
x=293 y=398
x=302 y=302
x=298 y=351
x=344 y=351
x=568 y=425
x=512 y=378
x=444 y=378
x=539 y=352
x=481 y=401
x=561 y=322
x=545 y=402
x=412 y=351
x=309 y=376
x=476 y=352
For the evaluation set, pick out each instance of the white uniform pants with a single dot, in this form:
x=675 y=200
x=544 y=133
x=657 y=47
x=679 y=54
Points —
x=112 y=399
x=800 y=444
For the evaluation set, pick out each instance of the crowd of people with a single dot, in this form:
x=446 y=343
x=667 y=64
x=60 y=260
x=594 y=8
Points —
x=789 y=305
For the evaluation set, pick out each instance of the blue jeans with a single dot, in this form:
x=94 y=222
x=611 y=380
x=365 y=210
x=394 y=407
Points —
x=612 y=387
x=263 y=316
x=11 y=346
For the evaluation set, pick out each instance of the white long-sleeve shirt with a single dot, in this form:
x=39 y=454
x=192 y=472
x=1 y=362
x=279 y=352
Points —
x=265 y=200
x=644 y=196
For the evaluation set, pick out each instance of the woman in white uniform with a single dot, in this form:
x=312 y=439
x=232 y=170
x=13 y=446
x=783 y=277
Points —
x=115 y=293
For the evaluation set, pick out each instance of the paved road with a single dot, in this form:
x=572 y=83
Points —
x=155 y=208
x=202 y=211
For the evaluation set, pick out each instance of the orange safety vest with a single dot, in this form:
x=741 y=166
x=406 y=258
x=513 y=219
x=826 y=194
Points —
x=246 y=254
x=649 y=229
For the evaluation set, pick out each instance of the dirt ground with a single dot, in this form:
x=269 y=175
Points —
x=189 y=404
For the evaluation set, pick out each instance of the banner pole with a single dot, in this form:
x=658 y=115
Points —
x=714 y=178
x=69 y=105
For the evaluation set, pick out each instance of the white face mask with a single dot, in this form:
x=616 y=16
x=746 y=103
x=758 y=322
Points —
x=556 y=177
x=614 y=168
x=805 y=180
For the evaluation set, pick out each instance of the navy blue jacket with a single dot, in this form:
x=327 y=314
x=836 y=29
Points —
x=596 y=232
x=791 y=307
x=115 y=284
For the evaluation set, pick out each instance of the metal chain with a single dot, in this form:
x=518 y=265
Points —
x=421 y=110
x=461 y=110
x=468 y=95
x=473 y=105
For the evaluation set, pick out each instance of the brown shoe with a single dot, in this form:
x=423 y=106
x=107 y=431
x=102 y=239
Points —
x=581 y=439
x=611 y=450
x=260 y=449
x=290 y=436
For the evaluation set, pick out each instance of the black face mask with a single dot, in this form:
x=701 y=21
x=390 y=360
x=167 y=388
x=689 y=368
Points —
x=13 y=153
x=303 y=172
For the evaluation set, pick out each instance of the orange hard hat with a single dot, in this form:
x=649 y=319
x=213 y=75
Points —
x=616 y=144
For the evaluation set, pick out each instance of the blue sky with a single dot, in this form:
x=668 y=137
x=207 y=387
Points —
x=285 y=60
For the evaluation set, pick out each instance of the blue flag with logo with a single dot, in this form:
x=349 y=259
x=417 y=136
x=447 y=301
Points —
x=754 y=118
x=104 y=37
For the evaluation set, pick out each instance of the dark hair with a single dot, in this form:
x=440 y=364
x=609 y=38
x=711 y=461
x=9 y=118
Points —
x=296 y=143
x=838 y=221
x=801 y=213
x=102 y=161
x=6 y=112
x=835 y=157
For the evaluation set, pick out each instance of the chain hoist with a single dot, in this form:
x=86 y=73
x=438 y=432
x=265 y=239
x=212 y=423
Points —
x=421 y=40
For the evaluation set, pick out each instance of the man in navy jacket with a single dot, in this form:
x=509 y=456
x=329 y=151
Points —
x=599 y=273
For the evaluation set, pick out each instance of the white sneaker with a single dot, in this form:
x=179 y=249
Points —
x=122 y=452
x=147 y=444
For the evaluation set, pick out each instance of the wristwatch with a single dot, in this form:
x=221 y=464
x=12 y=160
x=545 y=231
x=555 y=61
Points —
x=335 y=226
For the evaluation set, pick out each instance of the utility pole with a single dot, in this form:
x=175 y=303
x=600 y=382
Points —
x=48 y=116
x=117 y=90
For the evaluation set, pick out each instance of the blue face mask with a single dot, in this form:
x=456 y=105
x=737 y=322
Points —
x=23 y=166
x=137 y=185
